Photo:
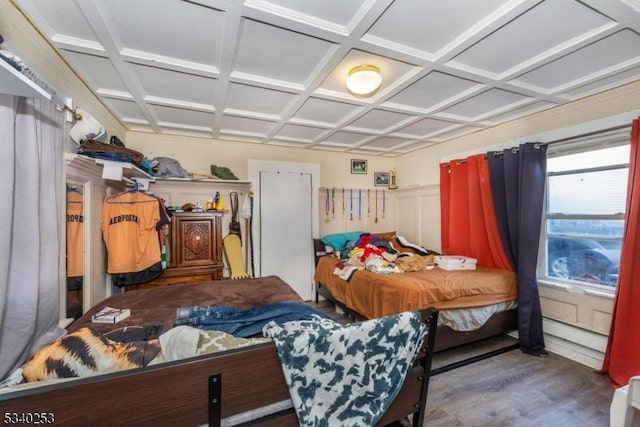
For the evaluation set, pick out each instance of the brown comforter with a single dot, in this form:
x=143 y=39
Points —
x=158 y=306
x=376 y=295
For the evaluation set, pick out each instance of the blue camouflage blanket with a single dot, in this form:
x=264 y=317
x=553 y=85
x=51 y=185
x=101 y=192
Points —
x=346 y=375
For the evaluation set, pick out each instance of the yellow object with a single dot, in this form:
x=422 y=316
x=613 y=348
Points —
x=220 y=205
x=233 y=253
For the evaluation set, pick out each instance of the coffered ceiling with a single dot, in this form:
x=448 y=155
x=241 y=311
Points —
x=273 y=72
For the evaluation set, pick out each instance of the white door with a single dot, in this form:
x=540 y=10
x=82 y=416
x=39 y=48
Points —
x=286 y=229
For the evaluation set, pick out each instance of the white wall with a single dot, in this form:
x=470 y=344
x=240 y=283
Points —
x=198 y=154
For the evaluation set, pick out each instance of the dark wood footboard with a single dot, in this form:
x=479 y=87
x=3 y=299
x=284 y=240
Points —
x=182 y=393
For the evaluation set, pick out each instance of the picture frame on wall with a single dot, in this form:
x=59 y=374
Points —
x=381 y=179
x=359 y=166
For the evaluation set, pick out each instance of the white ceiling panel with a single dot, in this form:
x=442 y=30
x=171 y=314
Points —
x=379 y=120
x=273 y=71
x=61 y=19
x=429 y=26
x=425 y=127
x=323 y=111
x=413 y=147
x=266 y=52
x=246 y=99
x=127 y=110
x=299 y=133
x=540 y=29
x=184 y=30
x=99 y=72
x=156 y=83
x=520 y=112
x=432 y=90
x=486 y=103
x=387 y=142
x=321 y=13
x=345 y=139
x=181 y=118
x=246 y=127
x=593 y=60
x=456 y=133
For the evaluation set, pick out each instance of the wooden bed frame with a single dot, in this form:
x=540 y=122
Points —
x=201 y=390
x=499 y=324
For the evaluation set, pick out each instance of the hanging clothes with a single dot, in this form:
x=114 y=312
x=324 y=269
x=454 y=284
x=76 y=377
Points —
x=75 y=233
x=131 y=222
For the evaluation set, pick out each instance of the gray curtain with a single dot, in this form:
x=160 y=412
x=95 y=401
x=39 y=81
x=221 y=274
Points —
x=31 y=140
x=518 y=177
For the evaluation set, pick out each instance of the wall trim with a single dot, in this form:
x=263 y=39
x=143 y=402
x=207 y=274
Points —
x=575 y=344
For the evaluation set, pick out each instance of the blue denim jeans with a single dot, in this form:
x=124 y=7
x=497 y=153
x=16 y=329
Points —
x=244 y=323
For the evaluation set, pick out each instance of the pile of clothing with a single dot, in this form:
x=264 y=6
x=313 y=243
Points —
x=368 y=252
x=378 y=254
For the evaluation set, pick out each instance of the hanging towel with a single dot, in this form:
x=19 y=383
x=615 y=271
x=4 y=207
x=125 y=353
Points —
x=346 y=375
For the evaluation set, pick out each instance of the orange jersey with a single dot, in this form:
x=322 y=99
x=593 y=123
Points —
x=129 y=231
x=75 y=234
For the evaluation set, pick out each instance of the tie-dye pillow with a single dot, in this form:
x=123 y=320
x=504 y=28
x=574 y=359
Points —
x=86 y=352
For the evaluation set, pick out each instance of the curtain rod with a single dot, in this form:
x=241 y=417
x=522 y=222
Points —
x=584 y=135
x=497 y=153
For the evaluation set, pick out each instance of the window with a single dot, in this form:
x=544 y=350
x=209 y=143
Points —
x=584 y=210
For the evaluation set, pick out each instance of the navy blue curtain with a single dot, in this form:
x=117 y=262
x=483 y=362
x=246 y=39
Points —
x=517 y=178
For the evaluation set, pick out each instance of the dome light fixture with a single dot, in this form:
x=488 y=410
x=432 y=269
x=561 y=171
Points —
x=364 y=80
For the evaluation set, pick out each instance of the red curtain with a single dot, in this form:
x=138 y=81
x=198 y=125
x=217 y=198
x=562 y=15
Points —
x=466 y=203
x=622 y=357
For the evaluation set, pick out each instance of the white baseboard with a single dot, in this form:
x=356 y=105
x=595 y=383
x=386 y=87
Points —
x=574 y=343
x=573 y=351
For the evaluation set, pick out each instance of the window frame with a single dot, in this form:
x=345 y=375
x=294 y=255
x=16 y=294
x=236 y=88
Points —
x=590 y=142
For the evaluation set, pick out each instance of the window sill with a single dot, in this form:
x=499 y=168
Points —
x=575 y=288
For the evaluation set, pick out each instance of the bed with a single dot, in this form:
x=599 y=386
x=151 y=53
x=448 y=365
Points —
x=225 y=388
x=488 y=293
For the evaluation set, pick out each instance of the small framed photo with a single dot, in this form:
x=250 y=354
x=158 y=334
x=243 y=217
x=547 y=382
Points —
x=359 y=166
x=381 y=179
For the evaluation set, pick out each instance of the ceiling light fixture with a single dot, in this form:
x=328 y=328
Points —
x=364 y=80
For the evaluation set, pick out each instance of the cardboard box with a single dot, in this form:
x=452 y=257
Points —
x=455 y=262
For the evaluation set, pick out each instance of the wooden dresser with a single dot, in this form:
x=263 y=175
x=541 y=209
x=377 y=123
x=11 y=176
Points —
x=195 y=250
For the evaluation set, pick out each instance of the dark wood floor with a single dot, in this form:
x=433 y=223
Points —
x=513 y=389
